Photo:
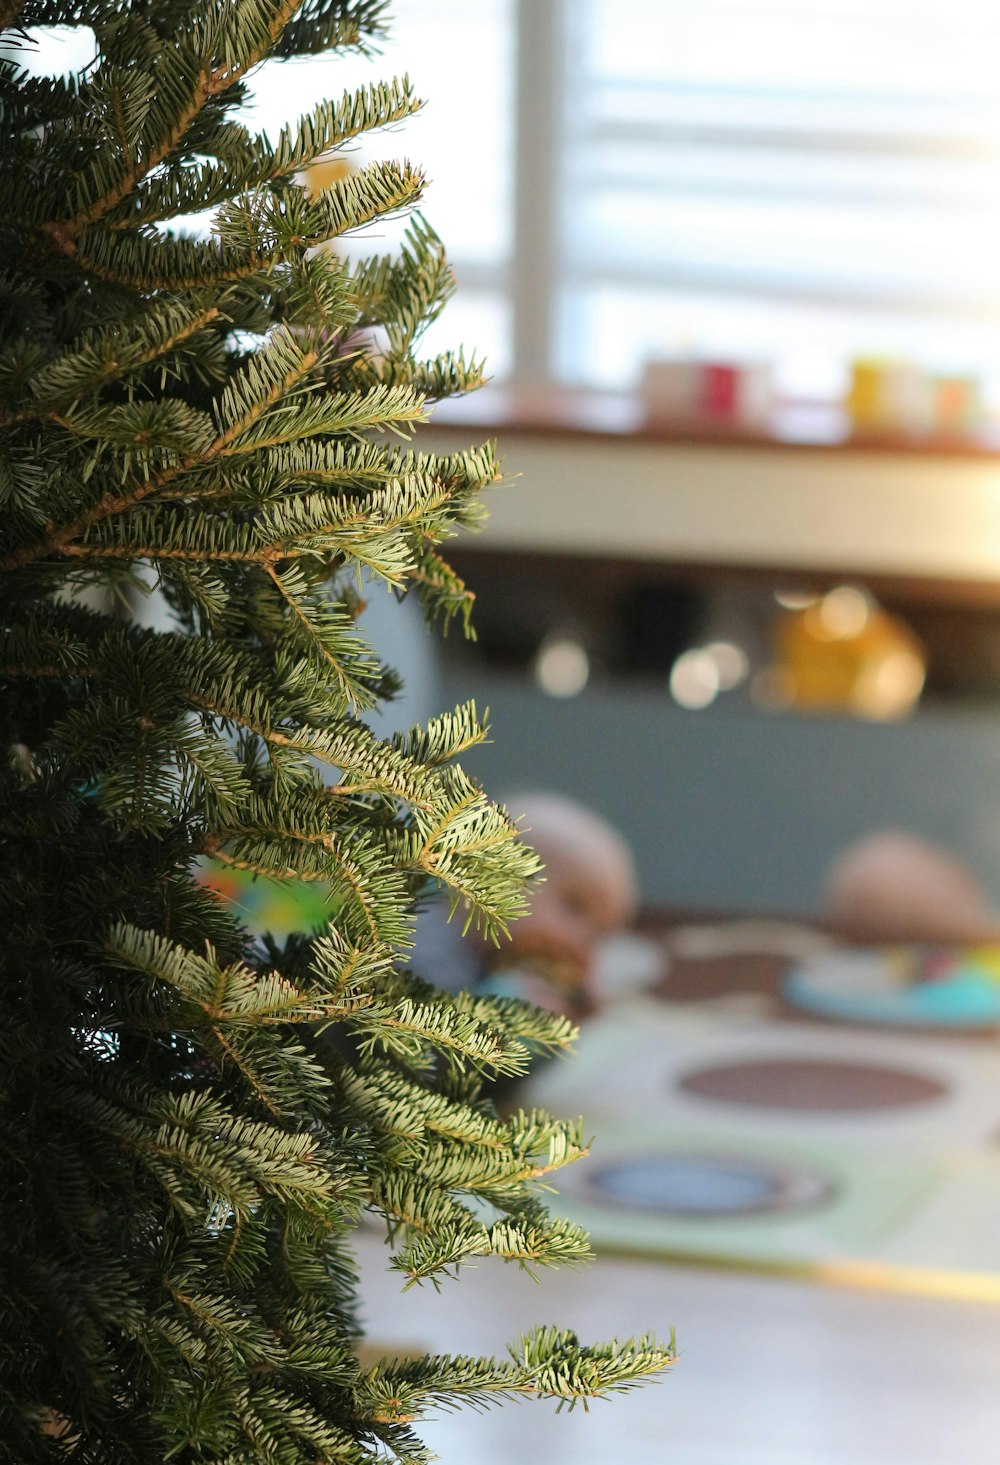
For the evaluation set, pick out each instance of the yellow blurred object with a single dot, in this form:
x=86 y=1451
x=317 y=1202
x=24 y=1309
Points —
x=985 y=959
x=844 y=654
x=866 y=398
x=325 y=174
x=890 y=397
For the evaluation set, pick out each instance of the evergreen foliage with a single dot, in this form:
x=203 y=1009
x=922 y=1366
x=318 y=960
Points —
x=192 y=1126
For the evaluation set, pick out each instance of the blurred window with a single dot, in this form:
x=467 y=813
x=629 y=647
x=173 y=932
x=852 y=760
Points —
x=803 y=182
x=798 y=181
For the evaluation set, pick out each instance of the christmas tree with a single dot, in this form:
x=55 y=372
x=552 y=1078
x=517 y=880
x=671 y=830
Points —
x=193 y=1123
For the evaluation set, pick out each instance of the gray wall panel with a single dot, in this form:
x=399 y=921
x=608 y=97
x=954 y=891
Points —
x=738 y=809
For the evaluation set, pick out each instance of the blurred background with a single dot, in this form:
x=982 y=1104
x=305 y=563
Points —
x=734 y=268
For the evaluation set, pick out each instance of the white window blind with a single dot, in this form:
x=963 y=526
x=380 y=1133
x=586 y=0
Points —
x=799 y=181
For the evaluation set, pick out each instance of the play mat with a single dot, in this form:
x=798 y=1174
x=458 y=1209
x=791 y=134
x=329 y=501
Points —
x=829 y=1111
x=843 y=1123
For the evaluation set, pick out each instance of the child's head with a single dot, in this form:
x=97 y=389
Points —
x=588 y=887
x=893 y=886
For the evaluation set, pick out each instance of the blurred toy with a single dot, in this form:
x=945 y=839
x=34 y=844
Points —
x=841 y=653
x=274 y=906
x=901 y=986
x=589 y=890
x=888 y=397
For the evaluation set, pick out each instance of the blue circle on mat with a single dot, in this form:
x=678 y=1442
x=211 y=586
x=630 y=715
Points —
x=703 y=1185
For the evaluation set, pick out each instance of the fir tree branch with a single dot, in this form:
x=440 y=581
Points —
x=427 y=857
x=47 y=384
x=379 y=191
x=234 y=1056
x=96 y=552
x=445 y=737
x=313 y=633
x=13 y=669
x=60 y=541
x=548 y=1363
x=210 y=847
x=210 y=83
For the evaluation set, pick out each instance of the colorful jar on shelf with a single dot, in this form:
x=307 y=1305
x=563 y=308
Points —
x=713 y=394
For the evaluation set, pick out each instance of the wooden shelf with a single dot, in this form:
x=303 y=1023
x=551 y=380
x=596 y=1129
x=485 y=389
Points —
x=577 y=413
x=587 y=478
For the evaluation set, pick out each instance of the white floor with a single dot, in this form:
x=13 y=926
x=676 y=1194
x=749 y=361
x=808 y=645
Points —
x=772 y=1372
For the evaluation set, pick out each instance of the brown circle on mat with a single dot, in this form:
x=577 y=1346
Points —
x=815 y=1084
